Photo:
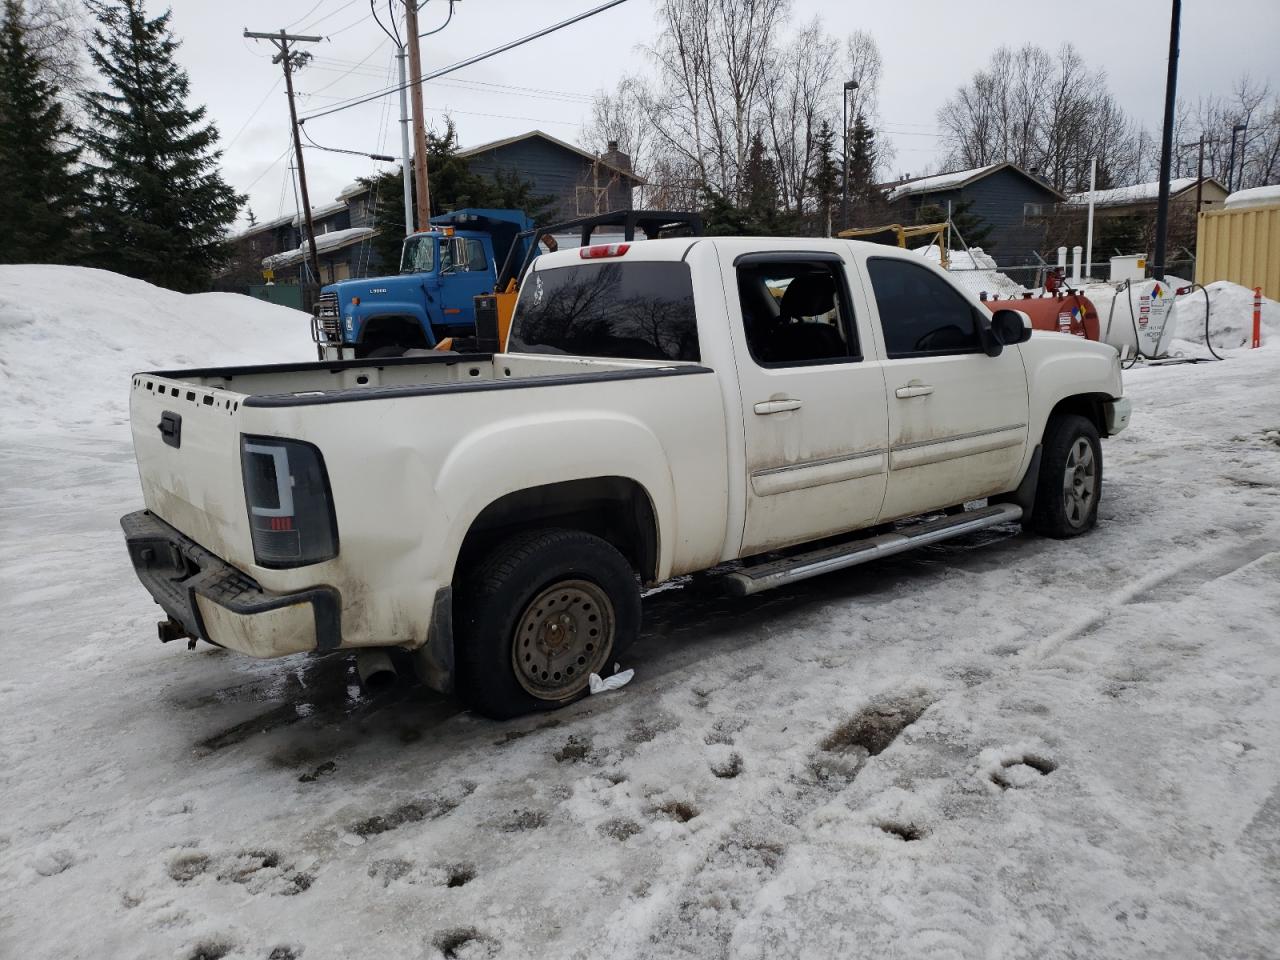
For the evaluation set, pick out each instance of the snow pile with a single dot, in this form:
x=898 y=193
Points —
x=73 y=337
x=1230 y=318
x=975 y=271
x=1254 y=197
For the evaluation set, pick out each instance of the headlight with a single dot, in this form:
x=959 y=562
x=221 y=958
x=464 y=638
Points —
x=286 y=489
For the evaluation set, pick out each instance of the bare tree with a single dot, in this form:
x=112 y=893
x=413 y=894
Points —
x=798 y=98
x=57 y=34
x=1048 y=113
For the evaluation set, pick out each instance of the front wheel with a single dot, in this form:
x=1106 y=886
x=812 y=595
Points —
x=1070 y=482
x=538 y=616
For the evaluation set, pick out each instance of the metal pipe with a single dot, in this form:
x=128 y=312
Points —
x=405 y=170
x=1088 y=241
x=375 y=669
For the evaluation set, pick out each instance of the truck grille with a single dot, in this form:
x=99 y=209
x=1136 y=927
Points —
x=327 y=319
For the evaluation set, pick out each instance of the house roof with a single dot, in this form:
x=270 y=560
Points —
x=585 y=154
x=1137 y=192
x=325 y=243
x=957 y=179
x=1253 y=197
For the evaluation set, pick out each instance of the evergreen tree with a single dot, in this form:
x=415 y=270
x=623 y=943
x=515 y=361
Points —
x=41 y=183
x=825 y=179
x=866 y=204
x=759 y=213
x=452 y=186
x=159 y=207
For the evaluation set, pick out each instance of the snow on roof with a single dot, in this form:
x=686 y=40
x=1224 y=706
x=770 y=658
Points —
x=1136 y=193
x=1254 y=197
x=941 y=181
x=353 y=189
x=325 y=242
x=328 y=210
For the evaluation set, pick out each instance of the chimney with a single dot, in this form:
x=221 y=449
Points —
x=616 y=158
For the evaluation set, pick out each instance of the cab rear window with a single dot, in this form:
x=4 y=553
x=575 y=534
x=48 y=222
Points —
x=626 y=311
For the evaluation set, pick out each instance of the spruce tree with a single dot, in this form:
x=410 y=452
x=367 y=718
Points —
x=825 y=178
x=41 y=183
x=159 y=208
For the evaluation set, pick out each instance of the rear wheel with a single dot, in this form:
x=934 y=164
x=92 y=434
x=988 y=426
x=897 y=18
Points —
x=538 y=616
x=1070 y=482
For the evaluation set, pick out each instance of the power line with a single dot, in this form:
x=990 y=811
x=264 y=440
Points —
x=336 y=10
x=274 y=87
x=470 y=60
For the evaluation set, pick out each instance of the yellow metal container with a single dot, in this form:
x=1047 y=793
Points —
x=1242 y=246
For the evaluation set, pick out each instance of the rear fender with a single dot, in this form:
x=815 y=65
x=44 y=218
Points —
x=521 y=453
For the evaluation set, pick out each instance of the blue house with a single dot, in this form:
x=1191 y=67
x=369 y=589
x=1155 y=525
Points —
x=1015 y=204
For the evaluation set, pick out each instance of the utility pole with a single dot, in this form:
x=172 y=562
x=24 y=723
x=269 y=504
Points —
x=1166 y=144
x=281 y=41
x=419 y=122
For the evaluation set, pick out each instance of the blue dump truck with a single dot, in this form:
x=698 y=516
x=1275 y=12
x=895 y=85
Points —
x=458 y=281
x=442 y=270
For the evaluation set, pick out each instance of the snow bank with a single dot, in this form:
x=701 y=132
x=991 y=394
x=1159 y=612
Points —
x=975 y=271
x=73 y=337
x=1230 y=317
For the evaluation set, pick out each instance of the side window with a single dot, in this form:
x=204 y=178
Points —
x=475 y=255
x=920 y=313
x=795 y=312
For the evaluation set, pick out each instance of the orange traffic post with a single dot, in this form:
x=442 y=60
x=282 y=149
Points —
x=1257 y=317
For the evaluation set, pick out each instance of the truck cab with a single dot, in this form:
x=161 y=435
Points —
x=432 y=297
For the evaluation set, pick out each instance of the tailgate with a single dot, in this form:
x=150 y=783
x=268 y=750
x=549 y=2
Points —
x=187 y=442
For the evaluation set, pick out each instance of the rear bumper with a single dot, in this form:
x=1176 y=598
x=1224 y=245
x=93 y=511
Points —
x=216 y=602
x=1117 y=414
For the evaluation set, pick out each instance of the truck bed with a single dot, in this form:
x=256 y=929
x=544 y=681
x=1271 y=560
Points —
x=300 y=384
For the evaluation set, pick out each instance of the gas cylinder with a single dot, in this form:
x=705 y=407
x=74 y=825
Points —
x=1060 y=312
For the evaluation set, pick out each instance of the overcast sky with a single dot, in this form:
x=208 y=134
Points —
x=928 y=46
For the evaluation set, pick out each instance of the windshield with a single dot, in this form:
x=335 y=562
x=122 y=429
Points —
x=419 y=255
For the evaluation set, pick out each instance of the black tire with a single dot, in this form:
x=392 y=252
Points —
x=503 y=675
x=386 y=351
x=1070 y=481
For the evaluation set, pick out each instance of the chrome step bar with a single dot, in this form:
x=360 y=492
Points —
x=777 y=573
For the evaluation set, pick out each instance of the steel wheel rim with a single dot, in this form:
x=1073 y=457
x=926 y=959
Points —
x=563 y=635
x=1079 y=482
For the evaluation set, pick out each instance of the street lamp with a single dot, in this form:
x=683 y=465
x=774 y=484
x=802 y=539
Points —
x=849 y=85
x=1231 y=160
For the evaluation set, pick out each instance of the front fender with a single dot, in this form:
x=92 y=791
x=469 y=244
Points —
x=512 y=455
x=357 y=322
x=1061 y=366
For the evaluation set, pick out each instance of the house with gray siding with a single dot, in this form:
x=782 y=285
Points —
x=1015 y=204
x=581 y=183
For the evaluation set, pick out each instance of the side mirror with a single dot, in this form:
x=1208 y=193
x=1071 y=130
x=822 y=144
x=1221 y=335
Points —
x=1011 y=327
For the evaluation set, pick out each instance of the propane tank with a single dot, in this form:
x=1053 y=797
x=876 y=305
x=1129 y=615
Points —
x=1060 y=312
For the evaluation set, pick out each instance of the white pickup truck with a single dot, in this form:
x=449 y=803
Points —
x=665 y=407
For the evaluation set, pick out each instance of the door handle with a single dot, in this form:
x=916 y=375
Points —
x=777 y=406
x=915 y=389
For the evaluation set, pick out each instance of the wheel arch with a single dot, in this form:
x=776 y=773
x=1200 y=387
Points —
x=618 y=509
x=1087 y=405
x=394 y=329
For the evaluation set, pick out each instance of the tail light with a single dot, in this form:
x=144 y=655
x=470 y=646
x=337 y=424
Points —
x=602 y=250
x=290 y=506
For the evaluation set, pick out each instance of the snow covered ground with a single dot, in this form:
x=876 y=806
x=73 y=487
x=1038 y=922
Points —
x=1001 y=747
